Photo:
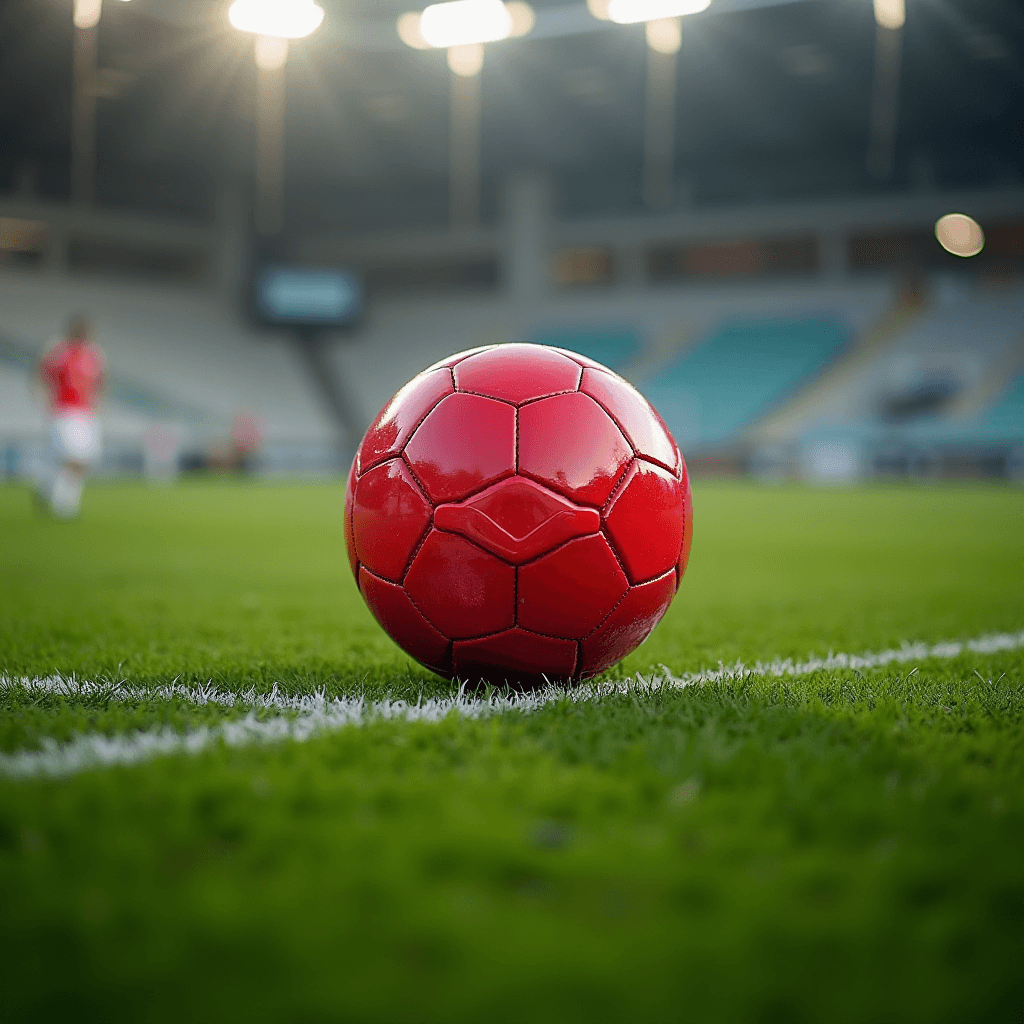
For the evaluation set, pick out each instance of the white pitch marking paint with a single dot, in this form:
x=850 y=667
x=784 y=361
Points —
x=305 y=716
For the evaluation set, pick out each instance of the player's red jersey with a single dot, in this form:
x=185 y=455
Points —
x=72 y=373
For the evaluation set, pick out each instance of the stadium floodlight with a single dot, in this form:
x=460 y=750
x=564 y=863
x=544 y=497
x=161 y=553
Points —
x=959 y=234
x=890 y=14
x=519 y=18
x=281 y=19
x=629 y=12
x=273 y=23
x=462 y=27
x=462 y=22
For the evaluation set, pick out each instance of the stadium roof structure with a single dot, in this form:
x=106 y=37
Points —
x=773 y=105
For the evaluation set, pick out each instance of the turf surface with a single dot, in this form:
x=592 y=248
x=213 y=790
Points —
x=844 y=846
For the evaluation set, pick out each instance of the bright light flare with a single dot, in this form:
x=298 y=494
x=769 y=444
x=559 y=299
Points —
x=271 y=53
x=664 y=35
x=629 y=12
x=282 y=19
x=462 y=22
x=959 y=234
x=466 y=60
x=87 y=13
x=523 y=18
x=410 y=25
x=890 y=14
x=409 y=31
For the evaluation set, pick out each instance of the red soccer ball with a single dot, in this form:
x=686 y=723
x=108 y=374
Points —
x=516 y=513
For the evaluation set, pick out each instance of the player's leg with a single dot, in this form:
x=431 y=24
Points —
x=66 y=492
x=77 y=441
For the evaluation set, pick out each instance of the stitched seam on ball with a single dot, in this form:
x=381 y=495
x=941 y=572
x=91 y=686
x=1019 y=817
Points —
x=548 y=485
x=517 y=442
x=558 y=547
x=490 y=398
x=469 y=355
x=613 y=418
x=609 y=615
x=615 y=489
x=543 y=398
x=419 y=483
x=416 y=550
x=476 y=544
x=523 y=629
x=575 y=358
x=615 y=552
x=477 y=490
x=657 y=576
x=388 y=456
x=419 y=611
x=422 y=419
x=654 y=579
x=608 y=537
x=629 y=440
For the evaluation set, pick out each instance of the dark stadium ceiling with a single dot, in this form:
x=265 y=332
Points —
x=773 y=104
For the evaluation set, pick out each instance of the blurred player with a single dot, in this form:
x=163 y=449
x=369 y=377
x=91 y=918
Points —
x=72 y=373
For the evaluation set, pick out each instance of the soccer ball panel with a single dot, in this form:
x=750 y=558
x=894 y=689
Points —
x=645 y=521
x=628 y=626
x=350 y=537
x=461 y=589
x=390 y=515
x=464 y=444
x=642 y=425
x=515 y=656
x=569 y=443
x=400 y=417
x=517 y=519
x=569 y=591
x=393 y=609
x=517 y=373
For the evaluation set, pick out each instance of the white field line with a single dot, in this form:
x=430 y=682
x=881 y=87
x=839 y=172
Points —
x=302 y=717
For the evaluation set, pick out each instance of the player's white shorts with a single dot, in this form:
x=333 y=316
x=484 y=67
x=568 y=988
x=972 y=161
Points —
x=76 y=437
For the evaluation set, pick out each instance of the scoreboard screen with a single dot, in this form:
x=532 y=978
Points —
x=306 y=297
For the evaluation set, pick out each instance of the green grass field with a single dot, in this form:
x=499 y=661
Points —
x=837 y=845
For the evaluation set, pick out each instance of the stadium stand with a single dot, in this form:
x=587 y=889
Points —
x=942 y=378
x=737 y=365
x=177 y=356
x=724 y=384
x=642 y=333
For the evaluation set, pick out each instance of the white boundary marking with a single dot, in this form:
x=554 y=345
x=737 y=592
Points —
x=302 y=717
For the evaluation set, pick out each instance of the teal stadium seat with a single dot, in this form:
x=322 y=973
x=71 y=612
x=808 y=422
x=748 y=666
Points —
x=719 y=387
x=1001 y=423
